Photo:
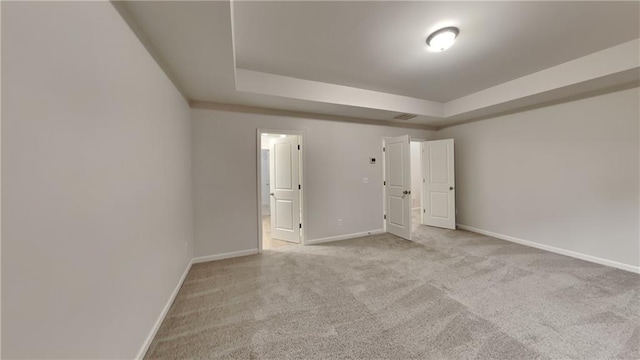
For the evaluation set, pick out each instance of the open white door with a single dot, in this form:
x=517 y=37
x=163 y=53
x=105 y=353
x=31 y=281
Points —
x=284 y=187
x=398 y=186
x=439 y=194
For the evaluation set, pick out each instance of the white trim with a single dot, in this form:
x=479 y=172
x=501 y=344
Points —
x=421 y=205
x=344 y=237
x=573 y=254
x=223 y=256
x=303 y=218
x=259 y=185
x=384 y=180
x=163 y=314
x=165 y=310
x=423 y=186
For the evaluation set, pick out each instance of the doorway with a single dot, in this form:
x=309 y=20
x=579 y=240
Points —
x=418 y=184
x=280 y=215
x=415 y=153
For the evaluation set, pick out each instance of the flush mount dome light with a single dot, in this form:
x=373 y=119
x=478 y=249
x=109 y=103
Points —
x=442 y=39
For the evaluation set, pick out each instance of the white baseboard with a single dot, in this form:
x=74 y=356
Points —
x=222 y=256
x=164 y=312
x=343 y=237
x=577 y=255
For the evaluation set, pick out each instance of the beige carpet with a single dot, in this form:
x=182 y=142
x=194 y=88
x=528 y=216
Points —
x=447 y=295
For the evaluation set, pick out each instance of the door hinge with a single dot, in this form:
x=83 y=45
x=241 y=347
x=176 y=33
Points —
x=300 y=225
x=423 y=180
x=384 y=216
x=424 y=211
x=383 y=149
x=298 y=147
x=384 y=183
x=299 y=186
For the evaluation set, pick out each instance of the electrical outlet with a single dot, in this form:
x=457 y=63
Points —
x=339 y=222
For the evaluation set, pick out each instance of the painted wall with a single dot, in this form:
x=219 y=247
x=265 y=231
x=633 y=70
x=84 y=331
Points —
x=96 y=179
x=564 y=175
x=416 y=174
x=336 y=159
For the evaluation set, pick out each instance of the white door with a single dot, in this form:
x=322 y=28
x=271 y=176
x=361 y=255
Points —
x=439 y=184
x=284 y=186
x=398 y=186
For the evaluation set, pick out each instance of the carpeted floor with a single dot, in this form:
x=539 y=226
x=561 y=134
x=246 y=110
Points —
x=447 y=295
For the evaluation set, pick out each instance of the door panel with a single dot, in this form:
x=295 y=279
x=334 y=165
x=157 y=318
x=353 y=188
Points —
x=284 y=215
x=396 y=212
x=285 y=195
x=439 y=184
x=396 y=171
x=283 y=166
x=439 y=205
x=438 y=164
x=398 y=186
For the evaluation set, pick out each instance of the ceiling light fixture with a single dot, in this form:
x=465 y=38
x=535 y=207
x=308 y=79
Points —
x=442 y=39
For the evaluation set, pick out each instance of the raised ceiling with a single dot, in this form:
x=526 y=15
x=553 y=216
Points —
x=367 y=60
x=380 y=45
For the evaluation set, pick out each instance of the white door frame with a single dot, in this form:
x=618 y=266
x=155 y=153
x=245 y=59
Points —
x=420 y=140
x=303 y=215
x=384 y=177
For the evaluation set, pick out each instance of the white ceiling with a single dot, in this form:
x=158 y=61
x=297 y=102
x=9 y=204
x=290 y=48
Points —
x=192 y=42
x=379 y=46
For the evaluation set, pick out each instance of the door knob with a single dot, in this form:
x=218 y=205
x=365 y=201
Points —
x=406 y=192
x=450 y=187
x=272 y=194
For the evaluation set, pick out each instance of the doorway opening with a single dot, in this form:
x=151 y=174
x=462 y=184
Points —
x=415 y=150
x=280 y=190
x=419 y=184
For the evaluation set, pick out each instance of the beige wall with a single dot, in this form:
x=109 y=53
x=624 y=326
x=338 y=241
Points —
x=96 y=183
x=336 y=158
x=564 y=176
